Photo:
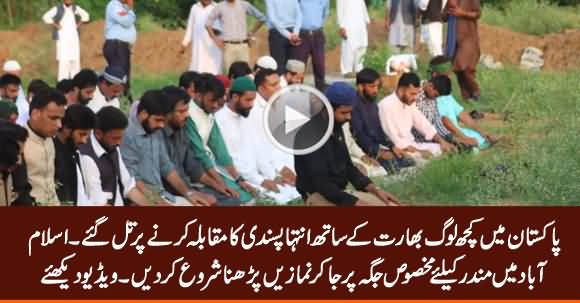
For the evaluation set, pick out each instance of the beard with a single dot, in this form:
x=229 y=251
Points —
x=244 y=112
x=108 y=148
x=146 y=127
x=369 y=97
x=84 y=101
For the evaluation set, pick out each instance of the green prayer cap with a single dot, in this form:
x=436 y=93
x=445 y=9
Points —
x=7 y=108
x=243 y=84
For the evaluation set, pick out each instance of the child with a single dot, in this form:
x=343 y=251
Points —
x=452 y=113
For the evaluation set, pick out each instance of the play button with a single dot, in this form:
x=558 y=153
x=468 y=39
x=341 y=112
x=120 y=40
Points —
x=298 y=119
x=294 y=119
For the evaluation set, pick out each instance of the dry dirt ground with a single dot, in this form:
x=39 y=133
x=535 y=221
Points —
x=157 y=52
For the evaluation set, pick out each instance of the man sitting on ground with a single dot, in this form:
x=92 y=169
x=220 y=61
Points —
x=12 y=67
x=46 y=114
x=207 y=140
x=66 y=88
x=77 y=125
x=399 y=116
x=294 y=73
x=182 y=154
x=14 y=186
x=268 y=84
x=85 y=84
x=239 y=69
x=146 y=157
x=366 y=125
x=427 y=105
x=111 y=86
x=108 y=182
x=34 y=87
x=322 y=176
x=472 y=136
x=8 y=111
x=234 y=122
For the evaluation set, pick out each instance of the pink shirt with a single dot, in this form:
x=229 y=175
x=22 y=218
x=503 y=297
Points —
x=397 y=120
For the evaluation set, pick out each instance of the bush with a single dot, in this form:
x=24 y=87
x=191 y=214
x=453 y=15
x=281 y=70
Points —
x=376 y=57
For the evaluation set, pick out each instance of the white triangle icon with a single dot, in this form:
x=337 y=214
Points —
x=293 y=119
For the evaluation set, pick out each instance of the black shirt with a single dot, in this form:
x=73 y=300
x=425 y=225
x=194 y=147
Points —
x=328 y=171
x=65 y=169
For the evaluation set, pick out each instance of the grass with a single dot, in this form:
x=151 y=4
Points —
x=547 y=18
x=147 y=24
x=537 y=165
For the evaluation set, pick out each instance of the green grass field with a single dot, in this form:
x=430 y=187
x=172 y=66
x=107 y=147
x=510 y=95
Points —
x=532 y=17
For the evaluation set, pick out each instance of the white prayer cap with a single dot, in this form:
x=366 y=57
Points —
x=12 y=66
x=295 y=66
x=267 y=62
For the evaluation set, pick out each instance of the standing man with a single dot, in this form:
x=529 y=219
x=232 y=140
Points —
x=322 y=176
x=314 y=14
x=465 y=14
x=284 y=21
x=235 y=40
x=63 y=18
x=206 y=56
x=353 y=19
x=432 y=26
x=400 y=18
x=46 y=114
x=120 y=35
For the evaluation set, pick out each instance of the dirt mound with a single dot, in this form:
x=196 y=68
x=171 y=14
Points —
x=157 y=52
x=561 y=50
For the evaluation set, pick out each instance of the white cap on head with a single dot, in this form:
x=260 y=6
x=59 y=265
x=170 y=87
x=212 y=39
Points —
x=12 y=66
x=295 y=66
x=267 y=62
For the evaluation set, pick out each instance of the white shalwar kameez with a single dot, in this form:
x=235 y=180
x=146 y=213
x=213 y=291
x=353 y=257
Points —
x=206 y=57
x=68 y=53
x=352 y=15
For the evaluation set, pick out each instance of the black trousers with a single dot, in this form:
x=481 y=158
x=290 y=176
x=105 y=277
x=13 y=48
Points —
x=280 y=49
x=118 y=53
x=313 y=43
